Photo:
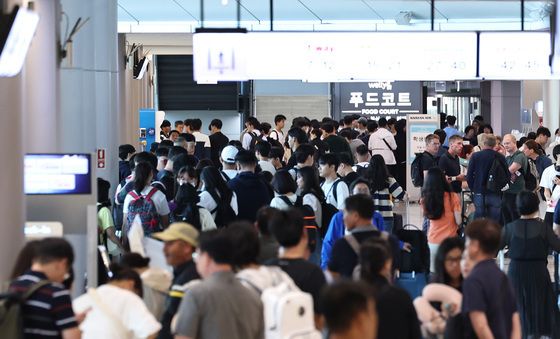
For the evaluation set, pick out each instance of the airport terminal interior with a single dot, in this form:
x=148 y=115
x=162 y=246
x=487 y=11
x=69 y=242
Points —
x=280 y=169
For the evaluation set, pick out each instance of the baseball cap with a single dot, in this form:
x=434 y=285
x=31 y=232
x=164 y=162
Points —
x=179 y=231
x=228 y=154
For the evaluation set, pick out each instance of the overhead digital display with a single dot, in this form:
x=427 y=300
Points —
x=335 y=57
x=57 y=174
x=515 y=55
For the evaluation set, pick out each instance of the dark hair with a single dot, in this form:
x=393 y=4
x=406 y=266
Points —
x=342 y=302
x=298 y=134
x=188 y=122
x=179 y=122
x=154 y=146
x=531 y=135
x=165 y=123
x=374 y=254
x=125 y=150
x=253 y=122
x=345 y=158
x=287 y=227
x=166 y=143
x=488 y=234
x=279 y=118
x=468 y=129
x=362 y=150
x=183 y=160
x=543 y=131
x=188 y=137
x=361 y=204
x=121 y=273
x=146 y=157
x=348 y=134
x=24 y=259
x=310 y=182
x=246 y=158
x=162 y=152
x=372 y=126
x=348 y=119
x=236 y=143
x=218 y=245
x=329 y=159
x=134 y=260
x=527 y=202
x=196 y=124
x=283 y=182
x=440 y=276
x=187 y=209
x=246 y=240
x=216 y=123
x=532 y=144
x=303 y=152
x=316 y=132
x=276 y=152
x=103 y=187
x=214 y=183
x=479 y=118
x=264 y=214
x=142 y=173
x=51 y=249
x=328 y=127
x=359 y=180
x=377 y=173
x=441 y=134
x=174 y=131
x=451 y=120
x=382 y=122
x=265 y=127
x=433 y=193
x=263 y=147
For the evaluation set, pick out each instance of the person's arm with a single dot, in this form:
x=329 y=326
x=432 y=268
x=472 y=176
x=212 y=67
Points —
x=516 y=326
x=514 y=167
x=72 y=333
x=470 y=174
x=395 y=189
x=113 y=237
x=556 y=220
x=480 y=325
x=164 y=220
x=334 y=232
x=552 y=238
x=391 y=141
x=341 y=194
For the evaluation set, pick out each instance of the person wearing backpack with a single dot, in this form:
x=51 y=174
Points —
x=285 y=191
x=145 y=201
x=487 y=175
x=251 y=133
x=217 y=197
x=335 y=189
x=189 y=211
x=47 y=308
x=310 y=190
x=518 y=167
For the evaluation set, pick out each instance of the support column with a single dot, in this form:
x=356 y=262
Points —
x=506 y=106
x=11 y=181
x=551 y=100
x=41 y=81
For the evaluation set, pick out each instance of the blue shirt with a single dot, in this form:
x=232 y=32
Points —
x=479 y=167
x=450 y=131
x=557 y=214
x=336 y=231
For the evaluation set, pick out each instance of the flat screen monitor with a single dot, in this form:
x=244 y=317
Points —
x=47 y=174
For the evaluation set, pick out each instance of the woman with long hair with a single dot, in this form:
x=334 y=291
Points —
x=310 y=189
x=383 y=186
x=145 y=201
x=189 y=211
x=529 y=240
x=443 y=209
x=447 y=263
x=397 y=315
x=284 y=190
x=215 y=193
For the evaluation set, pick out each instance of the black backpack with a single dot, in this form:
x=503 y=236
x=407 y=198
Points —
x=416 y=171
x=362 y=171
x=418 y=259
x=224 y=213
x=255 y=139
x=498 y=176
x=309 y=221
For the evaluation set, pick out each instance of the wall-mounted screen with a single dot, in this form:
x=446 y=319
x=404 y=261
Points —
x=57 y=174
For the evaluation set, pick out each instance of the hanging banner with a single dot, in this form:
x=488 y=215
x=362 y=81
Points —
x=377 y=99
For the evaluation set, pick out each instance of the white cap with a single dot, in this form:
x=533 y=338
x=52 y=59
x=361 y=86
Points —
x=228 y=154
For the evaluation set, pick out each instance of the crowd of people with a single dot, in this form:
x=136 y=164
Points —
x=306 y=216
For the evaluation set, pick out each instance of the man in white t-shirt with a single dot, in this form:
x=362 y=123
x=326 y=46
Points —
x=202 y=148
x=550 y=181
x=251 y=131
x=262 y=151
x=383 y=142
x=116 y=311
x=277 y=133
x=336 y=190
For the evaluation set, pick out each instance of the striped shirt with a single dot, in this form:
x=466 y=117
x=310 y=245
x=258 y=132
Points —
x=382 y=199
x=48 y=311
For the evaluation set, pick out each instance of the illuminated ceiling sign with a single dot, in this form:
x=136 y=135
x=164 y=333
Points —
x=334 y=57
x=515 y=55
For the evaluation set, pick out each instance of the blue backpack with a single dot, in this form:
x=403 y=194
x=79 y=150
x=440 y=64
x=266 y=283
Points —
x=146 y=209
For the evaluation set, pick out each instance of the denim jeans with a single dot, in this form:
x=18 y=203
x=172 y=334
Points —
x=488 y=205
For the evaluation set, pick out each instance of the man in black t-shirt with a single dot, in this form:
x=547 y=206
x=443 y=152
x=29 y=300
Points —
x=287 y=227
x=488 y=297
x=217 y=141
x=429 y=159
x=450 y=165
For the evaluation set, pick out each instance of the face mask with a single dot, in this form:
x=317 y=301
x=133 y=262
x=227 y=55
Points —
x=557 y=139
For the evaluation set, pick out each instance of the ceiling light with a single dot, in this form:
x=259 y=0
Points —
x=225 y=2
x=16 y=32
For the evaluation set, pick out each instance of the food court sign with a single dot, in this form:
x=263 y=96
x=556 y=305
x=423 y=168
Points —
x=382 y=98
